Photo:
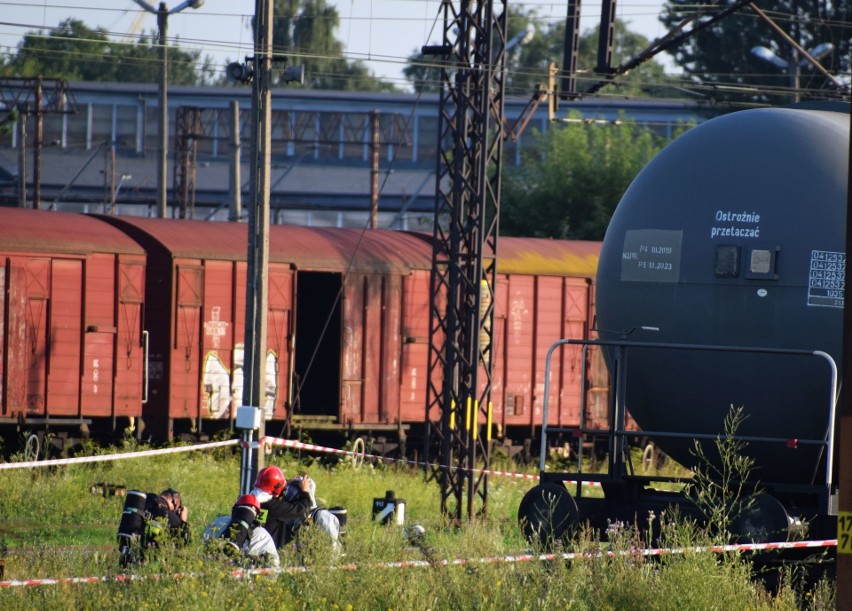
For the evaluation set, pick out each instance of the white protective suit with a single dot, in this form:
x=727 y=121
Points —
x=259 y=547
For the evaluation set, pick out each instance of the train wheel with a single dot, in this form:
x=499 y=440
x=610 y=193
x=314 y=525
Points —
x=649 y=458
x=547 y=513
x=32 y=448
x=359 y=450
x=764 y=521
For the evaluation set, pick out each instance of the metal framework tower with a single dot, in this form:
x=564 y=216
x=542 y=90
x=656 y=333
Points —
x=36 y=96
x=464 y=257
x=188 y=130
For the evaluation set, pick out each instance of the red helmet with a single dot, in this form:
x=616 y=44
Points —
x=248 y=500
x=271 y=479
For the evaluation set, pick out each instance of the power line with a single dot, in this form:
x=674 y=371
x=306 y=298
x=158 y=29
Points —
x=202 y=62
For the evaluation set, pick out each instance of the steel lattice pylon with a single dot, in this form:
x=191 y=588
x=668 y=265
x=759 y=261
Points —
x=464 y=256
x=188 y=130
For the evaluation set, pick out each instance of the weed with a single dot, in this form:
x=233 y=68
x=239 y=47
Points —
x=719 y=487
x=58 y=528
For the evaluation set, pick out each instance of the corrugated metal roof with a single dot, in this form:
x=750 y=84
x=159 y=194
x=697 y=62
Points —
x=27 y=230
x=368 y=250
x=190 y=239
x=547 y=257
x=317 y=248
x=541 y=256
x=313 y=248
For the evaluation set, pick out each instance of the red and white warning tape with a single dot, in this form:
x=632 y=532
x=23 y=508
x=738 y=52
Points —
x=292 y=443
x=746 y=547
x=106 y=457
x=265 y=441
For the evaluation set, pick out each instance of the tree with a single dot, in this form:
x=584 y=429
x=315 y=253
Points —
x=527 y=62
x=647 y=80
x=303 y=32
x=74 y=51
x=140 y=63
x=720 y=55
x=572 y=179
x=71 y=51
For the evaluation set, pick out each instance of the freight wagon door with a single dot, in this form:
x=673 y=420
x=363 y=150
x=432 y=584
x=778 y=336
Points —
x=415 y=346
x=318 y=342
x=3 y=342
x=16 y=344
x=185 y=362
x=38 y=304
x=128 y=378
x=278 y=335
x=571 y=357
x=63 y=379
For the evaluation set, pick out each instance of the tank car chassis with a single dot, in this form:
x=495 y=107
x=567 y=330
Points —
x=550 y=512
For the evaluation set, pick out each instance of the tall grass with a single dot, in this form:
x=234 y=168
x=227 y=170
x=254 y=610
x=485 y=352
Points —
x=53 y=526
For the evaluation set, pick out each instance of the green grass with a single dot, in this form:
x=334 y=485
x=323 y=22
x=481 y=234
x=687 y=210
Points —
x=53 y=526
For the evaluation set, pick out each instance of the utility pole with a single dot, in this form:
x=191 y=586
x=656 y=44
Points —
x=188 y=130
x=235 y=190
x=162 y=12
x=163 y=117
x=374 y=171
x=38 y=143
x=22 y=160
x=257 y=298
x=844 y=514
x=35 y=96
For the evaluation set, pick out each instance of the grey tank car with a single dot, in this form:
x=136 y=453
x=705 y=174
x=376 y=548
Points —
x=733 y=237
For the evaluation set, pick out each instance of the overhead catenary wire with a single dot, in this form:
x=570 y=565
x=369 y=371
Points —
x=686 y=82
x=202 y=45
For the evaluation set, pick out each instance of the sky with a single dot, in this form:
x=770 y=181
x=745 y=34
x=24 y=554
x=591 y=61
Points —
x=382 y=33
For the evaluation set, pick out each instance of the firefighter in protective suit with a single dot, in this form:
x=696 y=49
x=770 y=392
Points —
x=278 y=510
x=318 y=518
x=148 y=521
x=241 y=536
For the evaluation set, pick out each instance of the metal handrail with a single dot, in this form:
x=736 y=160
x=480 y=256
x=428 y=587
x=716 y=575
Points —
x=619 y=411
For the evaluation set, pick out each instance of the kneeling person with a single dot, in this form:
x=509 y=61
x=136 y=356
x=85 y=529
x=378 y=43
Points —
x=242 y=535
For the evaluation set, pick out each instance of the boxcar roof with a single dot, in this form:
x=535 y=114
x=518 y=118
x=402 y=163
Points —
x=542 y=256
x=315 y=248
x=547 y=257
x=28 y=230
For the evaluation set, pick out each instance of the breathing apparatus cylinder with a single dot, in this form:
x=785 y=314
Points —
x=132 y=522
x=239 y=530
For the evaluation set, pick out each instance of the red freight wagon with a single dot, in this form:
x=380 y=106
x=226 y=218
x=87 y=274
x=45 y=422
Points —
x=71 y=324
x=195 y=316
x=336 y=302
x=362 y=303
x=544 y=293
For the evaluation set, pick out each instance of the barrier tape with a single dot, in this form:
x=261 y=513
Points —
x=238 y=573
x=104 y=457
x=292 y=443
x=271 y=441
